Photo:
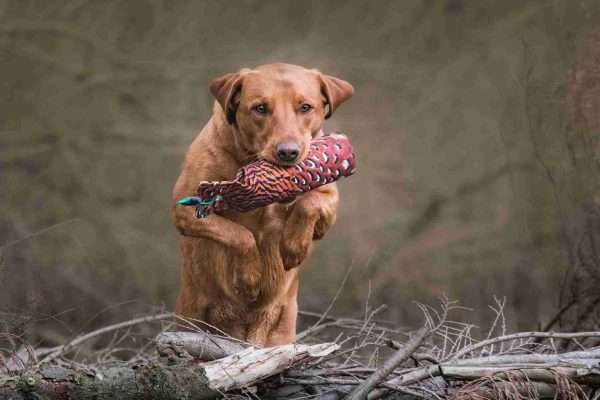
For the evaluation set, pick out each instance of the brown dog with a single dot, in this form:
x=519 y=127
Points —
x=238 y=271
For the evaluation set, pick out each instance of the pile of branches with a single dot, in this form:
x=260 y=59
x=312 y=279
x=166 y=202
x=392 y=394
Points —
x=364 y=359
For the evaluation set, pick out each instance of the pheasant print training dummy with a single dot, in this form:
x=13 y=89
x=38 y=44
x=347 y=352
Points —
x=262 y=183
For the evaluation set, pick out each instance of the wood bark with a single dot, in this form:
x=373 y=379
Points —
x=200 y=345
x=156 y=379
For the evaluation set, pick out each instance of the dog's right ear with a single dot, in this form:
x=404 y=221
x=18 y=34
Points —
x=225 y=90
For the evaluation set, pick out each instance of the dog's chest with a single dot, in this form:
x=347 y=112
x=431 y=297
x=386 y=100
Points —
x=263 y=221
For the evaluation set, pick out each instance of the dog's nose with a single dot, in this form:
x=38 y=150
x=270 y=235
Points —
x=288 y=151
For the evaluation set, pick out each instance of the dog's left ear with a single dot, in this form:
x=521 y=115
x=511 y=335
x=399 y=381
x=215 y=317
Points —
x=336 y=91
x=225 y=89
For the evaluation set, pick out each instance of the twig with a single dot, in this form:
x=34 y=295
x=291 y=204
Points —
x=558 y=315
x=57 y=351
x=522 y=335
x=499 y=316
x=362 y=391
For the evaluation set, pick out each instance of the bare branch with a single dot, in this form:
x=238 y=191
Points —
x=57 y=351
x=521 y=335
x=361 y=392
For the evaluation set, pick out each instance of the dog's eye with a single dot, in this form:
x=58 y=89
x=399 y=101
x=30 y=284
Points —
x=261 y=109
x=306 y=107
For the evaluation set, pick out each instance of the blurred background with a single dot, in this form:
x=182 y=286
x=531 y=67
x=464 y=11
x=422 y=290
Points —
x=475 y=124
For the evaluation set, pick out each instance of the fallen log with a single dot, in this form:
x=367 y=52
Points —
x=200 y=365
x=588 y=360
x=539 y=373
x=580 y=367
x=155 y=379
x=251 y=365
x=200 y=345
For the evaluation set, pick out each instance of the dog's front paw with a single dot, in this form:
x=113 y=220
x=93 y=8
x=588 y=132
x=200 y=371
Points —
x=294 y=252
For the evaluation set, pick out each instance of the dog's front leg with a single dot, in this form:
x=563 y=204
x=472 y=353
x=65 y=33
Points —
x=215 y=227
x=247 y=265
x=311 y=217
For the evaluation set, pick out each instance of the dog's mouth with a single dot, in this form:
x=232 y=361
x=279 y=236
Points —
x=285 y=164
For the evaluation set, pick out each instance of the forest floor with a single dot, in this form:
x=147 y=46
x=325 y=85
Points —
x=334 y=358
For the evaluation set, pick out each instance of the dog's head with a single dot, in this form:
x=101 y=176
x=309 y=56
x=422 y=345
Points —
x=276 y=109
